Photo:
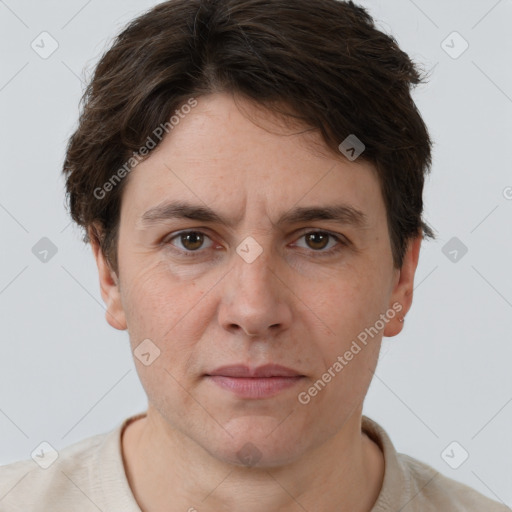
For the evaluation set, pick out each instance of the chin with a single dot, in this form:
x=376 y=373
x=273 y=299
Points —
x=259 y=444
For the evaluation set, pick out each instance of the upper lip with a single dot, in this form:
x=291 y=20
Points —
x=267 y=370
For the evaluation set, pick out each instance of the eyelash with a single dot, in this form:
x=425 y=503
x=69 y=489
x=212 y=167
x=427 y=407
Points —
x=341 y=243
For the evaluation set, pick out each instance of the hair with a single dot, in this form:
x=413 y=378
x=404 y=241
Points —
x=323 y=60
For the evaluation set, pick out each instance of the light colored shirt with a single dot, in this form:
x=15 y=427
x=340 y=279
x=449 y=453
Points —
x=89 y=476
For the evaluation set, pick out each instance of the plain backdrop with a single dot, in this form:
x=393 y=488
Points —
x=65 y=374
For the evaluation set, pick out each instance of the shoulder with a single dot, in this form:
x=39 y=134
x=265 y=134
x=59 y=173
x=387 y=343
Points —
x=431 y=490
x=410 y=485
x=51 y=478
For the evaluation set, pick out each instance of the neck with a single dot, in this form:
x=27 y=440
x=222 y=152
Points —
x=167 y=470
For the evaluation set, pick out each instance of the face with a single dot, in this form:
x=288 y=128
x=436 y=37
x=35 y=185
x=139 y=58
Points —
x=243 y=244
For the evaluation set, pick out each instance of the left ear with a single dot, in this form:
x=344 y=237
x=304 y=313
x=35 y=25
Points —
x=404 y=285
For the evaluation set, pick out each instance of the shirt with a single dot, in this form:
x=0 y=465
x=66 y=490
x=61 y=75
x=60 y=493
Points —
x=89 y=476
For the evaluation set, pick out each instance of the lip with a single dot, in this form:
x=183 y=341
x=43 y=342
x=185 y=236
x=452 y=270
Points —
x=257 y=383
x=267 y=370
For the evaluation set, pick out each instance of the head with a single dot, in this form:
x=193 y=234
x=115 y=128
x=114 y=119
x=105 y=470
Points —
x=225 y=119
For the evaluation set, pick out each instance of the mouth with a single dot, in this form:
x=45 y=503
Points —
x=257 y=383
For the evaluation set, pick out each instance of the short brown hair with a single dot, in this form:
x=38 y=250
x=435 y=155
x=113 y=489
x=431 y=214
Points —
x=323 y=59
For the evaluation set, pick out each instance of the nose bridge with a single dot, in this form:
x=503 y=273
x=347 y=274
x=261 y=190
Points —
x=253 y=263
x=254 y=251
x=253 y=298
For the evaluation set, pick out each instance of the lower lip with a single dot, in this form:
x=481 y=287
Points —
x=255 y=387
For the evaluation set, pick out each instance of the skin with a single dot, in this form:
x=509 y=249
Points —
x=286 y=307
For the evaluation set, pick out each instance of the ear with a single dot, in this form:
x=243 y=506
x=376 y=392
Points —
x=109 y=285
x=404 y=285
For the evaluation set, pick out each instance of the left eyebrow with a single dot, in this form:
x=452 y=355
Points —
x=341 y=213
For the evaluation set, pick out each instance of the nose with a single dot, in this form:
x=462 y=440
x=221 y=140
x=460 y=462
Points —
x=255 y=301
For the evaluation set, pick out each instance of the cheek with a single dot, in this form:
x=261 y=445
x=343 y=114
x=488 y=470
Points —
x=156 y=300
x=350 y=300
x=170 y=311
x=158 y=308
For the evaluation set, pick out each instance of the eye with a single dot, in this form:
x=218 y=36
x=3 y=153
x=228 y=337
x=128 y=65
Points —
x=191 y=241
x=319 y=240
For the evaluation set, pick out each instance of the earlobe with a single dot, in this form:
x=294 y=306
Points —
x=403 y=289
x=109 y=285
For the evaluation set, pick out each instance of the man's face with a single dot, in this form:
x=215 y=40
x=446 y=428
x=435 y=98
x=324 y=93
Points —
x=261 y=287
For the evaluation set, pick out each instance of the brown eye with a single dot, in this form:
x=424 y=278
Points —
x=321 y=243
x=192 y=240
x=317 y=240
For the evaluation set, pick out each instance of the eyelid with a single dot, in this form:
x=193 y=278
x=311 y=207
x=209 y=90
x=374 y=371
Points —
x=168 y=239
x=307 y=231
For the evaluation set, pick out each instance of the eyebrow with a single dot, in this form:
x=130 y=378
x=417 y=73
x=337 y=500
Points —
x=169 y=210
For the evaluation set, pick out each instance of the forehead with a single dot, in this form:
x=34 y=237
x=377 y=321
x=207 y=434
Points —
x=229 y=151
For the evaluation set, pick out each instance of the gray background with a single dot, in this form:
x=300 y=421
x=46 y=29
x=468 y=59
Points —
x=65 y=374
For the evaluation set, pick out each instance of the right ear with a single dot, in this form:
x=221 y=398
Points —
x=109 y=283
